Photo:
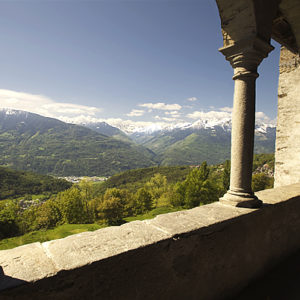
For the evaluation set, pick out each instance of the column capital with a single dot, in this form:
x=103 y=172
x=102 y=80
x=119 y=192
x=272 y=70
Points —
x=246 y=55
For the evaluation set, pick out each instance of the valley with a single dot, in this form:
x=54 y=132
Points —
x=64 y=208
x=112 y=177
x=48 y=146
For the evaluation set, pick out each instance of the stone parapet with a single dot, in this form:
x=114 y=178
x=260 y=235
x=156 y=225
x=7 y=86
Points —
x=209 y=252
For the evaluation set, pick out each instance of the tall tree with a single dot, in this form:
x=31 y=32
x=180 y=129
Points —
x=144 y=200
x=72 y=206
x=226 y=176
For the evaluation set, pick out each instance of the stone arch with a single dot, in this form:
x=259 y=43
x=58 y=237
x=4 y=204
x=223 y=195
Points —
x=246 y=19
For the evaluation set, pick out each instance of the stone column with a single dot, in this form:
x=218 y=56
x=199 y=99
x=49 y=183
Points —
x=244 y=56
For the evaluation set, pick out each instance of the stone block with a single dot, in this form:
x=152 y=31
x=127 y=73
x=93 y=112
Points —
x=27 y=263
x=85 y=248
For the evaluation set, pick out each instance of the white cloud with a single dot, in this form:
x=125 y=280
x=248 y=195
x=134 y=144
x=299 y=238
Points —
x=216 y=115
x=169 y=119
x=43 y=105
x=136 y=113
x=261 y=117
x=173 y=114
x=226 y=108
x=192 y=99
x=161 y=106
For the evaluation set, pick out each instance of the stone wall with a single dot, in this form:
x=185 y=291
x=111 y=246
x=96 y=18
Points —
x=287 y=156
x=209 y=252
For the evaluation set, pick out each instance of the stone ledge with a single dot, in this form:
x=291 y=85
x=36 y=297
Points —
x=214 y=243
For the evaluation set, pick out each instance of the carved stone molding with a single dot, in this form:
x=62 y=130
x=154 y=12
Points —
x=246 y=55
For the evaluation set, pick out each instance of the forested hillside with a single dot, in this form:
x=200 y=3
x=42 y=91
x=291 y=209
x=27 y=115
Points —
x=19 y=183
x=133 y=179
x=131 y=195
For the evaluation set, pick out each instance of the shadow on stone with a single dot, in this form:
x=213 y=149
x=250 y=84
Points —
x=7 y=282
x=280 y=283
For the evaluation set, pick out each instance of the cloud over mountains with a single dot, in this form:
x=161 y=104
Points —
x=43 y=105
x=161 y=106
x=156 y=115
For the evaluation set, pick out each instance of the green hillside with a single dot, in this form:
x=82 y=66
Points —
x=49 y=146
x=192 y=146
x=196 y=148
x=106 y=129
x=134 y=179
x=131 y=195
x=16 y=183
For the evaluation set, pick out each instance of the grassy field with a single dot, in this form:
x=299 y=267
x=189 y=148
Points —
x=47 y=235
x=152 y=214
x=69 y=229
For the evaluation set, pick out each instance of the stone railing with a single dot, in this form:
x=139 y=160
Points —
x=209 y=252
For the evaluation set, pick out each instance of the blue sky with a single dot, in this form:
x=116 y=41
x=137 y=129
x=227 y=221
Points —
x=153 y=61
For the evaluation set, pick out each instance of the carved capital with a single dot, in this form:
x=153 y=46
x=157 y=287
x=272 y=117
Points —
x=246 y=55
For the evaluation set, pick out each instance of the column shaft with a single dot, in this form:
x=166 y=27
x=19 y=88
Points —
x=242 y=141
x=245 y=57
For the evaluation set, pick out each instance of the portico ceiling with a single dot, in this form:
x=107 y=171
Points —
x=263 y=19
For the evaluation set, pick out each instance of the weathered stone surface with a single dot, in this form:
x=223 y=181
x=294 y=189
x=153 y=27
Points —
x=287 y=155
x=25 y=263
x=177 y=223
x=82 y=249
x=278 y=195
x=198 y=218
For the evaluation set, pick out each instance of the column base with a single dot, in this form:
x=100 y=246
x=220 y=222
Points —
x=246 y=200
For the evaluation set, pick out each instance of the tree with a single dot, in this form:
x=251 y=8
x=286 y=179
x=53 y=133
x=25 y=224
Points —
x=72 y=206
x=86 y=191
x=111 y=209
x=144 y=201
x=261 y=182
x=197 y=188
x=8 y=219
x=48 y=215
x=226 y=176
x=203 y=171
x=177 y=196
x=156 y=186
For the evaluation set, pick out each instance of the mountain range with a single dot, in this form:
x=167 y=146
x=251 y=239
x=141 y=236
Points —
x=48 y=146
x=32 y=142
x=192 y=143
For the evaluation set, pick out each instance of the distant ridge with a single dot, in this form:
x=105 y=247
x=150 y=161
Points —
x=45 y=145
x=131 y=128
x=192 y=143
x=48 y=146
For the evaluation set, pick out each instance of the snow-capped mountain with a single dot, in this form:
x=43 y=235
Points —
x=171 y=144
x=192 y=142
x=45 y=145
x=132 y=128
